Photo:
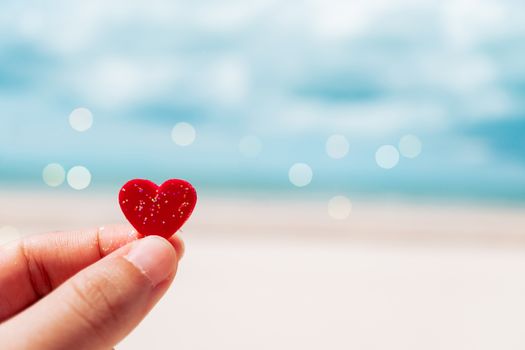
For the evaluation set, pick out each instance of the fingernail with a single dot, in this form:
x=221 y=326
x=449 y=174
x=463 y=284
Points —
x=154 y=257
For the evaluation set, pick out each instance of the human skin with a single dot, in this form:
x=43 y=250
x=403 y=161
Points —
x=85 y=289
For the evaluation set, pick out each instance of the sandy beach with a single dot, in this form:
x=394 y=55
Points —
x=282 y=274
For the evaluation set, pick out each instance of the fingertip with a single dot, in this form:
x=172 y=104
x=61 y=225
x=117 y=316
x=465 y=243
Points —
x=155 y=257
x=112 y=237
x=178 y=244
x=116 y=236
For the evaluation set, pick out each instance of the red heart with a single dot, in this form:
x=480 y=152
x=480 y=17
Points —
x=157 y=210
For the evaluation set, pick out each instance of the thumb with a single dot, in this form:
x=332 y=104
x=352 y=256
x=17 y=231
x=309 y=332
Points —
x=101 y=304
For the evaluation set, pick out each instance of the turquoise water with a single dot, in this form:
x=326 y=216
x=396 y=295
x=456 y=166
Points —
x=289 y=74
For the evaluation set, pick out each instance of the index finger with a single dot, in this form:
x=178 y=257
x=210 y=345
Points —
x=33 y=267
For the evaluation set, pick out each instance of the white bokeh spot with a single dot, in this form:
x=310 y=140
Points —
x=250 y=146
x=183 y=134
x=300 y=174
x=81 y=119
x=339 y=207
x=337 y=146
x=78 y=177
x=387 y=156
x=410 y=146
x=53 y=174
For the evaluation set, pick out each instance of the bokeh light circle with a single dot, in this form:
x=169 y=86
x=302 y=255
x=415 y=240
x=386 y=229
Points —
x=410 y=146
x=53 y=174
x=300 y=174
x=387 y=156
x=339 y=207
x=250 y=146
x=78 y=177
x=81 y=119
x=183 y=134
x=337 y=146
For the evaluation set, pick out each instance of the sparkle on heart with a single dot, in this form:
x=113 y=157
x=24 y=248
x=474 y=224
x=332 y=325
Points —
x=157 y=210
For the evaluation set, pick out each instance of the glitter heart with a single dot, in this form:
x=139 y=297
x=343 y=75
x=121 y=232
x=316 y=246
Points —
x=157 y=210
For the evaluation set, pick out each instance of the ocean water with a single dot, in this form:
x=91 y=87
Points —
x=263 y=85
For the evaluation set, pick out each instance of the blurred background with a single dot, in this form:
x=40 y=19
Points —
x=360 y=164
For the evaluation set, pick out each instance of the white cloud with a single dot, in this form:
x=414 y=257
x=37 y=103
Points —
x=118 y=81
x=467 y=22
x=376 y=118
x=227 y=81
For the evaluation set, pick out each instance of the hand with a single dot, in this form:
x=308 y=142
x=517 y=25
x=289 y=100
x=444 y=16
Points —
x=81 y=290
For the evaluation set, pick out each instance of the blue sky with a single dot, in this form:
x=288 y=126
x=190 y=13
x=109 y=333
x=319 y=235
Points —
x=291 y=73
